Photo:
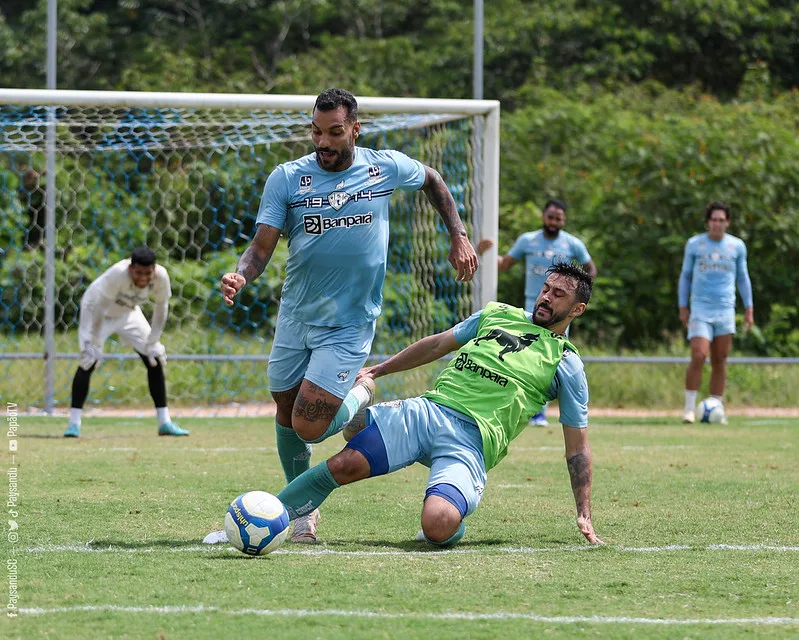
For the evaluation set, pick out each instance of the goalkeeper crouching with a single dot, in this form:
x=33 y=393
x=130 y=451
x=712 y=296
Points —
x=509 y=363
x=112 y=305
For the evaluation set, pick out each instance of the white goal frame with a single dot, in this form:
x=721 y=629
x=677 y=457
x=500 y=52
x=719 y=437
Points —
x=487 y=145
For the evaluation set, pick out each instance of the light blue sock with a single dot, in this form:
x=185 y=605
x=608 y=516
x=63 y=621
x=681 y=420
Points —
x=293 y=451
x=454 y=539
x=345 y=412
x=307 y=492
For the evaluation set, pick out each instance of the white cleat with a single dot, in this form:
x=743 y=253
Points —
x=358 y=422
x=420 y=536
x=305 y=528
x=215 y=537
x=688 y=417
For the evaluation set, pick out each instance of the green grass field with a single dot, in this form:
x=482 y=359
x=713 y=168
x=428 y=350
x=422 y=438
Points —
x=700 y=523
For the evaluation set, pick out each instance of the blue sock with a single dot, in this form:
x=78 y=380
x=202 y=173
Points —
x=293 y=451
x=307 y=492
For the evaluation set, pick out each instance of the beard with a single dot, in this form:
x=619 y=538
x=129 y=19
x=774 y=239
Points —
x=342 y=158
x=551 y=320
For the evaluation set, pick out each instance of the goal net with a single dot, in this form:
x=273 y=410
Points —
x=184 y=175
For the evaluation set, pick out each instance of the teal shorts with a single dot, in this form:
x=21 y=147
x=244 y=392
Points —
x=330 y=357
x=711 y=325
x=418 y=430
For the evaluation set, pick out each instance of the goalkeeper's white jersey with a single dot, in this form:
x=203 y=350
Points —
x=116 y=293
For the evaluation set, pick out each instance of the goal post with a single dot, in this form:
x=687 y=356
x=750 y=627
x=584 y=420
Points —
x=184 y=174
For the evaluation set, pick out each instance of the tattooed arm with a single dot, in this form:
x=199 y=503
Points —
x=578 y=459
x=461 y=254
x=252 y=262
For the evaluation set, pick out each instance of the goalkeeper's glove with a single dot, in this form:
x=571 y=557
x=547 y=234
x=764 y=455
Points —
x=90 y=356
x=156 y=353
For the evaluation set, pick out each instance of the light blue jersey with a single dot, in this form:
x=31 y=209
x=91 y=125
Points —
x=337 y=223
x=569 y=386
x=710 y=271
x=540 y=253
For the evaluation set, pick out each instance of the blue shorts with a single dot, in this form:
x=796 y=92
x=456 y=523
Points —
x=418 y=430
x=711 y=325
x=327 y=356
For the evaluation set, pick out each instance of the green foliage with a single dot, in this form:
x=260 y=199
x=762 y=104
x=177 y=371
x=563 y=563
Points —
x=637 y=184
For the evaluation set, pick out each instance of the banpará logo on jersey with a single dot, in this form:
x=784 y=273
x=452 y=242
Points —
x=509 y=342
x=316 y=225
x=464 y=363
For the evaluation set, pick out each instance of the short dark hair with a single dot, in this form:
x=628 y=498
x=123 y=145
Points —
x=331 y=99
x=557 y=202
x=585 y=283
x=144 y=256
x=717 y=205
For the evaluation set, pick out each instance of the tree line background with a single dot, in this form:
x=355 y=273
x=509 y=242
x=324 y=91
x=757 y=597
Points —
x=636 y=113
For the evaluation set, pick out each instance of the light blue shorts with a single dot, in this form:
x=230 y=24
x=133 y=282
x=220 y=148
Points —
x=418 y=430
x=710 y=326
x=327 y=356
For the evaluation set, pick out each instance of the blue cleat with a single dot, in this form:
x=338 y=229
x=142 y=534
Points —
x=171 y=429
x=73 y=431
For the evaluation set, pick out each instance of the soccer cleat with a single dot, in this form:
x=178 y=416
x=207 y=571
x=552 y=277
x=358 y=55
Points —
x=216 y=537
x=538 y=420
x=688 y=417
x=73 y=431
x=305 y=528
x=171 y=429
x=358 y=422
x=420 y=537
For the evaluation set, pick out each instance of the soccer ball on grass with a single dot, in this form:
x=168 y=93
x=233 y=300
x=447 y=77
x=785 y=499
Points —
x=256 y=523
x=711 y=411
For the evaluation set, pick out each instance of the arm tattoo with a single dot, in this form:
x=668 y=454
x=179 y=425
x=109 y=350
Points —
x=251 y=265
x=580 y=472
x=440 y=197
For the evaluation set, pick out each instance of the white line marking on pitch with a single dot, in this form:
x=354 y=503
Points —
x=428 y=553
x=455 y=615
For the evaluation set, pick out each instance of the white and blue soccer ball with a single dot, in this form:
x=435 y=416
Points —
x=256 y=523
x=710 y=411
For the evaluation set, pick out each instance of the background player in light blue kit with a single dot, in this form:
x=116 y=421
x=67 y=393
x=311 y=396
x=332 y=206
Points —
x=714 y=262
x=333 y=205
x=540 y=250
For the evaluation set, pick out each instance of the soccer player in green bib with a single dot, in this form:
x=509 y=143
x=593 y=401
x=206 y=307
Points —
x=509 y=362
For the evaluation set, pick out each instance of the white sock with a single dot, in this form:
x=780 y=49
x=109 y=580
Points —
x=163 y=415
x=718 y=398
x=690 y=400
x=361 y=394
x=74 y=415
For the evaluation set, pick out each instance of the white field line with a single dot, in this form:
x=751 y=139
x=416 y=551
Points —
x=455 y=615
x=87 y=548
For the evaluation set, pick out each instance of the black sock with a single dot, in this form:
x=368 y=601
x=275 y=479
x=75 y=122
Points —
x=80 y=386
x=156 y=380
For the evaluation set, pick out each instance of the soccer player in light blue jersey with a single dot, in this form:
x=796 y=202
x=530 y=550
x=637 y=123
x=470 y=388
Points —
x=333 y=206
x=714 y=263
x=540 y=250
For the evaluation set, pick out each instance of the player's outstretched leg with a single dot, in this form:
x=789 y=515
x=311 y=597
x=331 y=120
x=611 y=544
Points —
x=80 y=389
x=157 y=383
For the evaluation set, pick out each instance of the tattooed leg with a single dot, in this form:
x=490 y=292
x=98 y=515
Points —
x=314 y=410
